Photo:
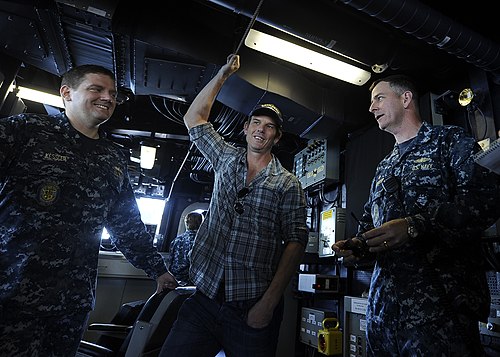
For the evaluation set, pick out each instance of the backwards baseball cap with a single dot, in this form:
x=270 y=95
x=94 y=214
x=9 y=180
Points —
x=270 y=110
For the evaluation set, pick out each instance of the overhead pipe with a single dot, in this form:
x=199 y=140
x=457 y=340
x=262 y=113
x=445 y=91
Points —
x=427 y=24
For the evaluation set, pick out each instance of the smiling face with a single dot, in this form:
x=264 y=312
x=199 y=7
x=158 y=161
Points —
x=92 y=102
x=261 y=133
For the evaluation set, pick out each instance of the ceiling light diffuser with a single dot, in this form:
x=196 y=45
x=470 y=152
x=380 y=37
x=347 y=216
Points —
x=148 y=157
x=305 y=57
x=39 y=96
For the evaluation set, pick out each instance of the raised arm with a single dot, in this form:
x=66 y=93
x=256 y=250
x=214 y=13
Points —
x=199 y=110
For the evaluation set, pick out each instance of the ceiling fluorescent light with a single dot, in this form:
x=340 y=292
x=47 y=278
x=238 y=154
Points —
x=148 y=156
x=305 y=57
x=39 y=96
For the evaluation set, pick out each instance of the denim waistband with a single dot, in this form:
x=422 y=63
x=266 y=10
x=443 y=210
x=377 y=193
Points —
x=239 y=304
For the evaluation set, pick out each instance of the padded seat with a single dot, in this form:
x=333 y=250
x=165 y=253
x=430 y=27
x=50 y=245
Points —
x=146 y=336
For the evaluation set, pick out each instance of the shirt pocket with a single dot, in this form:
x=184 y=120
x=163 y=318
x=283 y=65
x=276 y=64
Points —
x=106 y=181
x=265 y=206
x=423 y=186
x=43 y=183
x=382 y=201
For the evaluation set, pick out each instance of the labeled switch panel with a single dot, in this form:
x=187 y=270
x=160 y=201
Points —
x=317 y=163
x=355 y=326
x=310 y=324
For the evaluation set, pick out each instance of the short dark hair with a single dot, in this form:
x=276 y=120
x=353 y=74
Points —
x=399 y=83
x=75 y=76
x=193 y=220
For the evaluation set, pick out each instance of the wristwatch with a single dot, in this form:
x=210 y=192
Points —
x=412 y=229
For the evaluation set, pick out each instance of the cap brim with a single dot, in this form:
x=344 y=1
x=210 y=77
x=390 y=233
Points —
x=270 y=113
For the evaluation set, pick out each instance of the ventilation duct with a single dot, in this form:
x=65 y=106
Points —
x=427 y=24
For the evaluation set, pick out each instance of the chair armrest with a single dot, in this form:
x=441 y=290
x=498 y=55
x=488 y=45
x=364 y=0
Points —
x=109 y=327
x=93 y=350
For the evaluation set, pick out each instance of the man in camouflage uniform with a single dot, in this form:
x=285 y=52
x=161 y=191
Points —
x=429 y=203
x=180 y=247
x=61 y=183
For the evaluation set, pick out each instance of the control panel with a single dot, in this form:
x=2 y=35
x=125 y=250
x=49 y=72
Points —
x=331 y=230
x=354 y=326
x=317 y=163
x=311 y=323
x=319 y=283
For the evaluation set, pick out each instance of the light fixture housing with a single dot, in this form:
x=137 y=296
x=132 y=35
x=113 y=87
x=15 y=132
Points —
x=466 y=97
x=148 y=157
x=38 y=96
x=306 y=57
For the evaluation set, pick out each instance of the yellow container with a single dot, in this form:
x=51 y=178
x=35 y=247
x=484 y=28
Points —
x=330 y=338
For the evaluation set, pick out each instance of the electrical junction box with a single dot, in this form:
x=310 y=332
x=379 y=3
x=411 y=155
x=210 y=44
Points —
x=331 y=230
x=317 y=283
x=318 y=163
x=354 y=326
x=311 y=322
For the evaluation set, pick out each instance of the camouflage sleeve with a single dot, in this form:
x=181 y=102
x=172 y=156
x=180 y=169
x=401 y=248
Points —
x=474 y=205
x=131 y=237
x=9 y=138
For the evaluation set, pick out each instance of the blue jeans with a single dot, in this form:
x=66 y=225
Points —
x=205 y=326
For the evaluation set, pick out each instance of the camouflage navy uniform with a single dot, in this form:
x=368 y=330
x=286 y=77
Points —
x=58 y=189
x=421 y=290
x=179 y=256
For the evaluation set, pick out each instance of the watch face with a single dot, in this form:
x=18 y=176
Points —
x=412 y=231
